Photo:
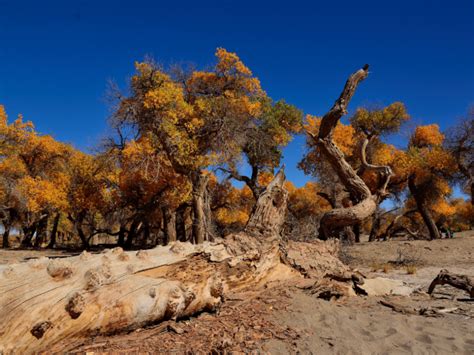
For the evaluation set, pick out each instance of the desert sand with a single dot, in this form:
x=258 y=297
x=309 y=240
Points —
x=286 y=318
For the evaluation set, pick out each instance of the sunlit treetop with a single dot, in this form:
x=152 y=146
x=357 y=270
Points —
x=198 y=118
x=380 y=121
x=427 y=136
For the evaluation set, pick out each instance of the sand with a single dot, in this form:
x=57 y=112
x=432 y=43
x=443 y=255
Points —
x=285 y=318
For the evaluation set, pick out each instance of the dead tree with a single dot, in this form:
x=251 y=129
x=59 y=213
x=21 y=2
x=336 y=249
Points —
x=461 y=282
x=43 y=302
x=365 y=202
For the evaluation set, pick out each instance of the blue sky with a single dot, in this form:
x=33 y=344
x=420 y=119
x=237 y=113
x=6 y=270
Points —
x=56 y=57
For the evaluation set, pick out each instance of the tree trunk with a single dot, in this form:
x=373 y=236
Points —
x=169 y=221
x=6 y=235
x=366 y=203
x=121 y=236
x=28 y=233
x=200 y=181
x=54 y=231
x=423 y=209
x=374 y=230
x=181 y=223
x=472 y=191
x=82 y=236
x=146 y=234
x=132 y=233
x=269 y=213
x=357 y=233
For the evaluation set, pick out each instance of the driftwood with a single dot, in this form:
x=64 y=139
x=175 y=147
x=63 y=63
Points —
x=461 y=282
x=398 y=308
x=43 y=302
x=423 y=311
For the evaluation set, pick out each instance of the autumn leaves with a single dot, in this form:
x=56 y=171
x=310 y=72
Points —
x=177 y=130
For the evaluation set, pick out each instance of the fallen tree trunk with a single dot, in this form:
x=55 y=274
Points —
x=43 y=302
x=461 y=282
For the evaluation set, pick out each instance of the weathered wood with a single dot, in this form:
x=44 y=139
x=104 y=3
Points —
x=199 y=180
x=366 y=202
x=461 y=282
x=169 y=225
x=269 y=213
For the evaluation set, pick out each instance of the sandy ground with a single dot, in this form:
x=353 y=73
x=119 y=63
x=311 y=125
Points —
x=285 y=318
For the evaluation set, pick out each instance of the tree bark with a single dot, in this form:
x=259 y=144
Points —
x=423 y=209
x=269 y=213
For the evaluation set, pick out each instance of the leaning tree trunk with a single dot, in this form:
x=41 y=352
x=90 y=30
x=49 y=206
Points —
x=423 y=209
x=366 y=202
x=54 y=231
x=44 y=302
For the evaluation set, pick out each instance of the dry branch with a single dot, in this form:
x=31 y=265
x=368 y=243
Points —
x=461 y=282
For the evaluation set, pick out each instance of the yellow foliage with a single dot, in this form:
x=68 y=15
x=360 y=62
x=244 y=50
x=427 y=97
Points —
x=228 y=63
x=41 y=194
x=428 y=135
x=442 y=208
x=226 y=216
x=344 y=135
x=377 y=122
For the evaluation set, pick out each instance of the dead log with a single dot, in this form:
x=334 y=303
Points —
x=461 y=282
x=43 y=301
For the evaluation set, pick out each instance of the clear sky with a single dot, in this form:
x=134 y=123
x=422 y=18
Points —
x=56 y=57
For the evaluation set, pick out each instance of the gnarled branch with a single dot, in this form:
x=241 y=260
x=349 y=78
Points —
x=366 y=203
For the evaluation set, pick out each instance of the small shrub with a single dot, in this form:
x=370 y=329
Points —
x=411 y=269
